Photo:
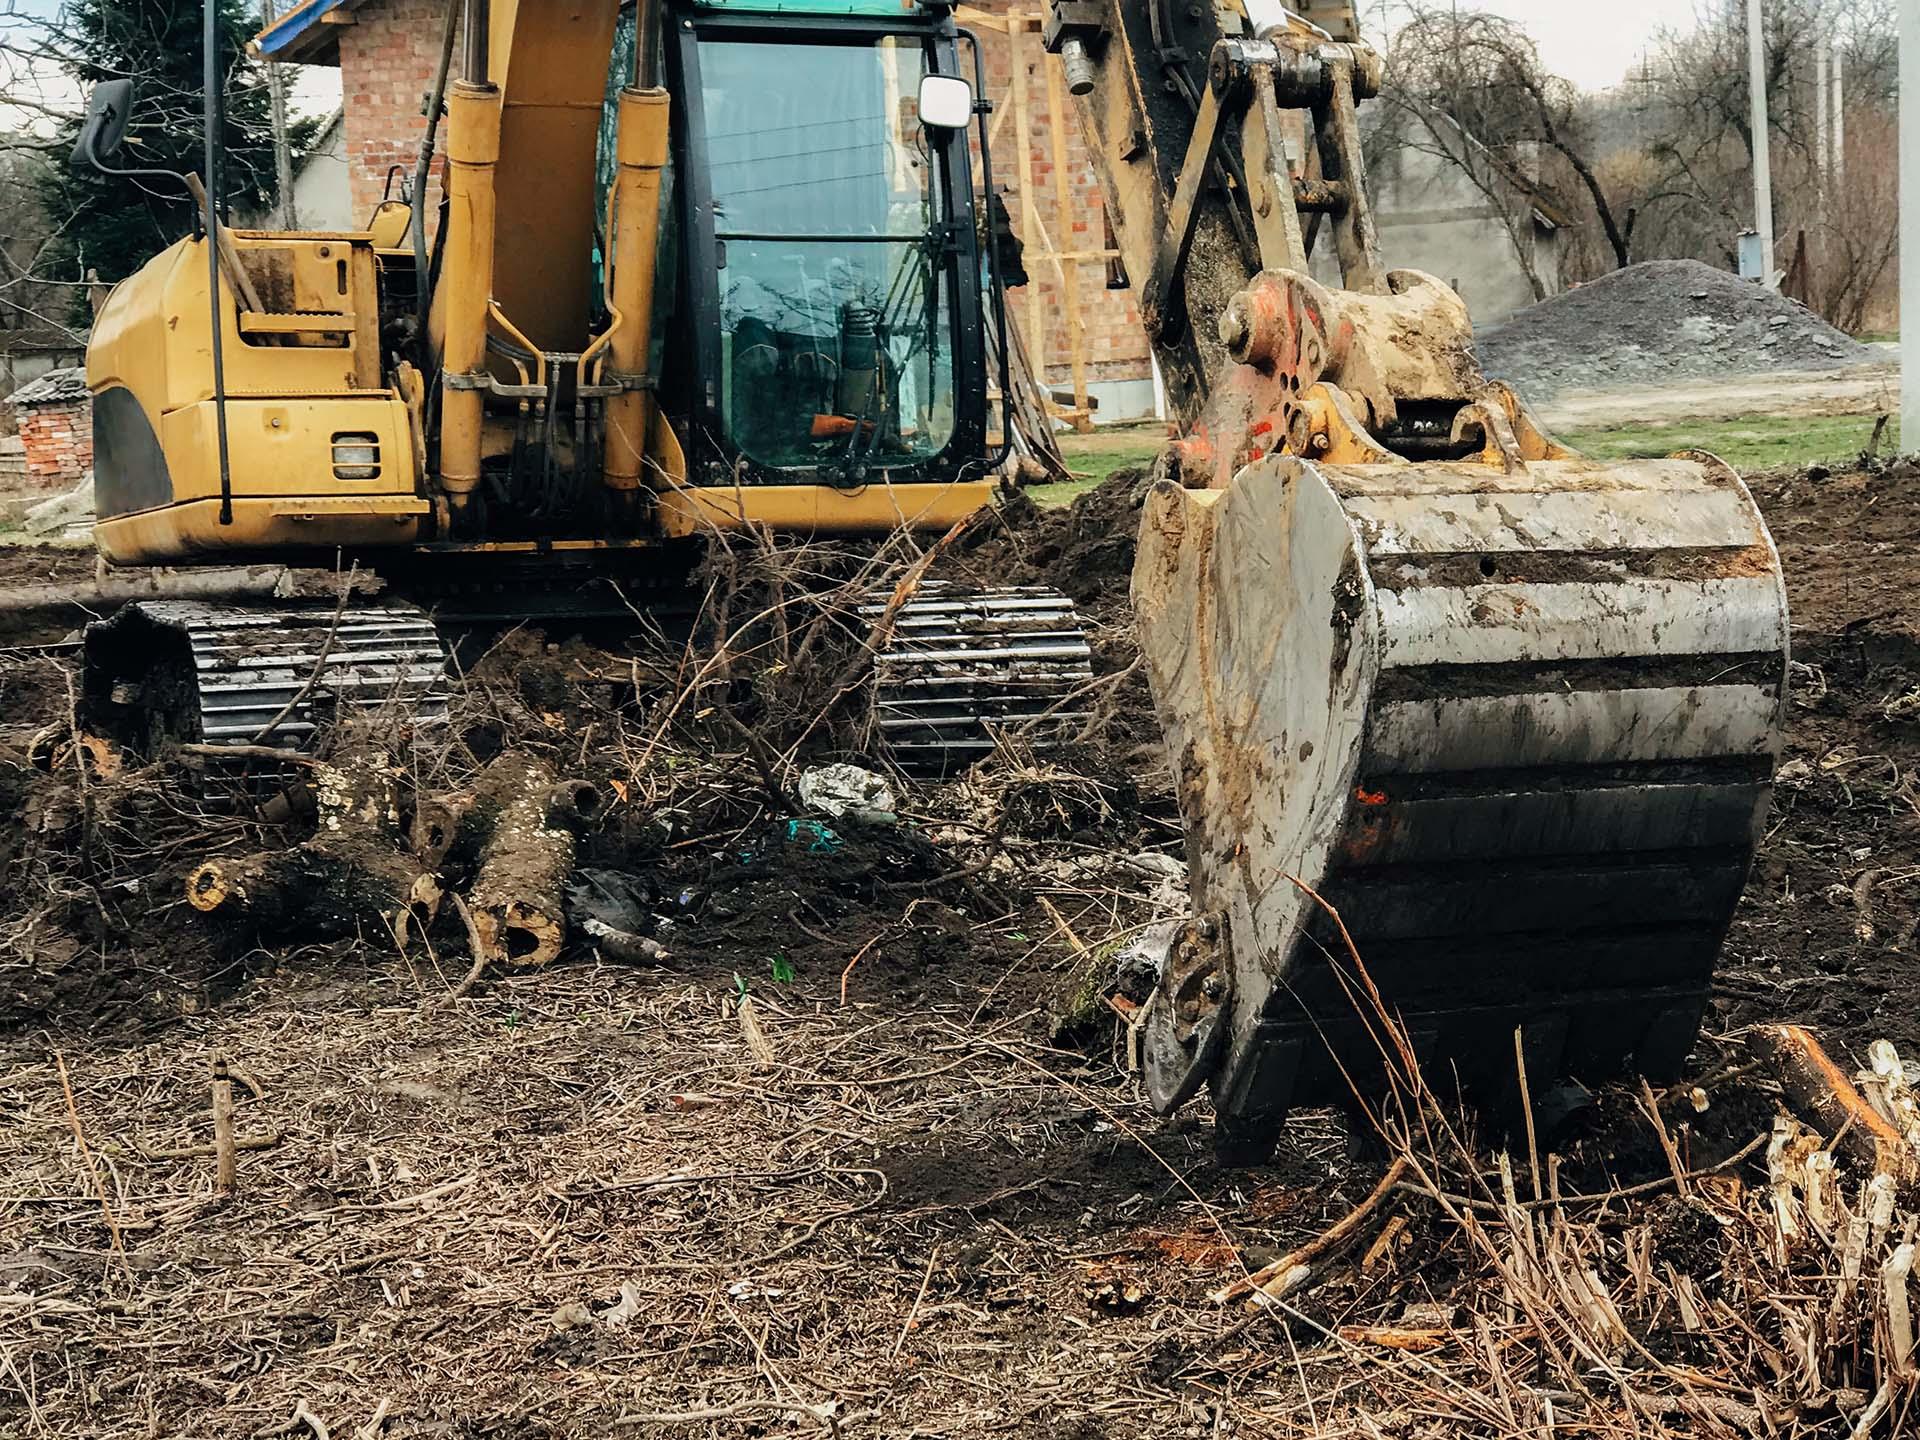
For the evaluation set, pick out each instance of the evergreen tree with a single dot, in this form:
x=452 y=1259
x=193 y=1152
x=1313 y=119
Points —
x=112 y=225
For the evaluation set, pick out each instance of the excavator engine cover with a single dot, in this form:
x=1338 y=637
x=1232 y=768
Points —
x=1477 y=748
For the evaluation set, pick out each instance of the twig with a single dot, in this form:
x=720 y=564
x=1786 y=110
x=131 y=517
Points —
x=858 y=956
x=302 y=1416
x=375 y=1421
x=93 y=1170
x=1282 y=1277
x=1526 y=1109
x=904 y=922
x=249 y=752
x=81 y=783
x=265 y=732
x=1652 y=1105
x=475 y=943
x=225 y=1165
x=914 y=1311
x=758 y=1045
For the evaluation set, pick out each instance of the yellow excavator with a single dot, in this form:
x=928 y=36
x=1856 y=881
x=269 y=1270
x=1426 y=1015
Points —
x=1471 y=734
x=736 y=280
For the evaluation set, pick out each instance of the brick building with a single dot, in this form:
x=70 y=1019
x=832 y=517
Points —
x=55 y=415
x=1114 y=349
x=386 y=51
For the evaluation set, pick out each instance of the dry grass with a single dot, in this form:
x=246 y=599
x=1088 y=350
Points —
x=592 y=1200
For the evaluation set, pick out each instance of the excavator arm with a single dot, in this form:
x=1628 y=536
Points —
x=1473 y=737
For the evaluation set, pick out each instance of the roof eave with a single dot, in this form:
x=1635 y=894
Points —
x=308 y=34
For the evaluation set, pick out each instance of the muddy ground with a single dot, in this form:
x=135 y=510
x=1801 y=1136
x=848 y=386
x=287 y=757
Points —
x=584 y=1201
x=1827 y=930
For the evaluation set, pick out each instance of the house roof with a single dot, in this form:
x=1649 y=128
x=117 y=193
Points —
x=54 y=387
x=1547 y=209
x=309 y=33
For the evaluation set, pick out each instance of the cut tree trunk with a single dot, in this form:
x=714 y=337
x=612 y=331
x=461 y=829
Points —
x=519 y=892
x=1821 y=1094
x=351 y=877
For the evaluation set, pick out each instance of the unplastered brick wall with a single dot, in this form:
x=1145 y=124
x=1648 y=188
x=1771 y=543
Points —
x=55 y=415
x=387 y=59
x=1113 y=345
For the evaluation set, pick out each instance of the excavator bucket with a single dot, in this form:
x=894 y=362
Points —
x=1469 y=748
x=1474 y=738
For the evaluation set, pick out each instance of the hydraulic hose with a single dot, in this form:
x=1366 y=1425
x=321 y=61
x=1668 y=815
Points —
x=423 y=290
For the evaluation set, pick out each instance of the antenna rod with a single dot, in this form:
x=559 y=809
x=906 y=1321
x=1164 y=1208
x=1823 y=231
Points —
x=211 y=115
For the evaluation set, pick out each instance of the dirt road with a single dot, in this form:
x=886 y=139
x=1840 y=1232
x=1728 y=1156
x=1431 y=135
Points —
x=1866 y=390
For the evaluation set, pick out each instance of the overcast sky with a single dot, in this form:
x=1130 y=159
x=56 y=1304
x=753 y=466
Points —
x=1593 y=43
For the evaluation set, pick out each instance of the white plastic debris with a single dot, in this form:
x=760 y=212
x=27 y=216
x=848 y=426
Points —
x=833 y=790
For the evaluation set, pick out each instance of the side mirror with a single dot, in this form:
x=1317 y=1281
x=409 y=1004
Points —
x=105 y=126
x=946 y=102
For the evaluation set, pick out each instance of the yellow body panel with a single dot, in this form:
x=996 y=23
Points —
x=260 y=526
x=809 y=509
x=291 y=389
x=549 y=59
x=304 y=363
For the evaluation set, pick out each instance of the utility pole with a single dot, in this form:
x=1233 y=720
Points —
x=1910 y=225
x=1762 y=147
x=282 y=153
x=1822 y=115
x=1840 y=114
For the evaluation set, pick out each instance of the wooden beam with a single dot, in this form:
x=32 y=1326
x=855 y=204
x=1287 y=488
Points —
x=975 y=18
x=1058 y=118
x=226 y=250
x=1029 y=215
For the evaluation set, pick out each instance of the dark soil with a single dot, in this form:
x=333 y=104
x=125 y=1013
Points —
x=1827 y=931
x=1656 y=321
x=924 y=1203
x=1084 y=549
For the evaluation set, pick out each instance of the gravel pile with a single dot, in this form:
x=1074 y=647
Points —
x=1657 y=321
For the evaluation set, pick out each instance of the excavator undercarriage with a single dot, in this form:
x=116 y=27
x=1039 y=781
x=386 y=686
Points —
x=1473 y=737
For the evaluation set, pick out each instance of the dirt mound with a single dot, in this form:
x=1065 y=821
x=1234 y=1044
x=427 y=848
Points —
x=1084 y=549
x=1656 y=321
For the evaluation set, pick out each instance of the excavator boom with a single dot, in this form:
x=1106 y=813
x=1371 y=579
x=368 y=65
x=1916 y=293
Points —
x=1473 y=737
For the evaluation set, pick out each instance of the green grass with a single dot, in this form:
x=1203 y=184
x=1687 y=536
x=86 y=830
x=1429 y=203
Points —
x=1753 y=442
x=1092 y=458
x=1878 y=337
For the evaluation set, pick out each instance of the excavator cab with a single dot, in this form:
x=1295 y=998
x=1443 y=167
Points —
x=696 y=264
x=833 y=313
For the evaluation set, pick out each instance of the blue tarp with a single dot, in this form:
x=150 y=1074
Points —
x=286 y=33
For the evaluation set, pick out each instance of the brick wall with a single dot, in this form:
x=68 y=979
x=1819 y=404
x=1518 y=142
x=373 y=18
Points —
x=1114 y=346
x=58 y=439
x=387 y=60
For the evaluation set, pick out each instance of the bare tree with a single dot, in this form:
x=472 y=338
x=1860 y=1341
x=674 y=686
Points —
x=1698 y=143
x=1471 y=88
